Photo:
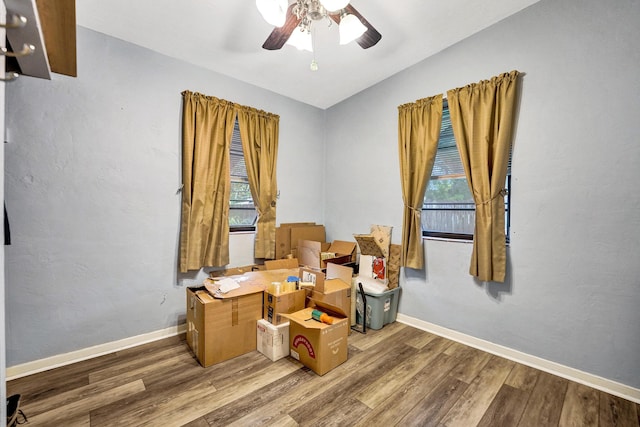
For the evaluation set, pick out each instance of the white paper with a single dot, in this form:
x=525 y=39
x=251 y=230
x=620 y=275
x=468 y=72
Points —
x=366 y=266
x=227 y=285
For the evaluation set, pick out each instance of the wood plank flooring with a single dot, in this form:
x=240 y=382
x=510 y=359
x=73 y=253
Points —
x=398 y=375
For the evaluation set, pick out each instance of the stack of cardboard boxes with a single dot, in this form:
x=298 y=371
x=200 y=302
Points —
x=271 y=311
x=274 y=308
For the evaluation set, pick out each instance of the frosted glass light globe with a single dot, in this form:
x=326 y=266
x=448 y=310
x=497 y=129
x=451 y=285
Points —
x=350 y=28
x=273 y=11
x=334 y=5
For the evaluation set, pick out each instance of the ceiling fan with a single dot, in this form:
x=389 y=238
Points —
x=302 y=13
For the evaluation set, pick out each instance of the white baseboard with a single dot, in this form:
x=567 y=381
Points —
x=608 y=386
x=599 y=383
x=41 y=365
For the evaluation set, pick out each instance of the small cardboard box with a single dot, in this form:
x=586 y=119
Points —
x=317 y=254
x=272 y=340
x=333 y=288
x=219 y=329
x=283 y=303
x=319 y=346
x=287 y=236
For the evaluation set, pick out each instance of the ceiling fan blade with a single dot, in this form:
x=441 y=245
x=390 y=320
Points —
x=370 y=37
x=280 y=35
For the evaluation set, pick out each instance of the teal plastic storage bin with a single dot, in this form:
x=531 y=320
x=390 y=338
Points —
x=381 y=308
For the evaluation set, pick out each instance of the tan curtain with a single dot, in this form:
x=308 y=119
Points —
x=482 y=117
x=207 y=127
x=418 y=133
x=259 y=134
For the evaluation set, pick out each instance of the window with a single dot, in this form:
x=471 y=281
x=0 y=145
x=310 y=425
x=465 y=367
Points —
x=242 y=211
x=448 y=209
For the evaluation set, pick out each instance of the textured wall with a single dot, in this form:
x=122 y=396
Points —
x=93 y=169
x=3 y=388
x=572 y=293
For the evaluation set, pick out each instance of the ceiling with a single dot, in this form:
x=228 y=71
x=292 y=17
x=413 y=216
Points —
x=227 y=37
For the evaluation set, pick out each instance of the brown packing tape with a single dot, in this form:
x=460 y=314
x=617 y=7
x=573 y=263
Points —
x=234 y=312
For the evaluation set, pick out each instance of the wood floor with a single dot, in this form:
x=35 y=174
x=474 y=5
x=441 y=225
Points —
x=396 y=376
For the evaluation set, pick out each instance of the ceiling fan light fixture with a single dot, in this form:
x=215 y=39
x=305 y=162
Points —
x=350 y=28
x=273 y=11
x=301 y=40
x=334 y=5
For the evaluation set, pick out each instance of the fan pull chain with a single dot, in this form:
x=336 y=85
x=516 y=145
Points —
x=314 y=64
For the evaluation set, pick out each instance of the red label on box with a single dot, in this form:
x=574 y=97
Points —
x=302 y=340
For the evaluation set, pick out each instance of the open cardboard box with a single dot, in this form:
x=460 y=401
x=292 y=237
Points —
x=288 y=234
x=277 y=304
x=319 y=346
x=317 y=254
x=332 y=287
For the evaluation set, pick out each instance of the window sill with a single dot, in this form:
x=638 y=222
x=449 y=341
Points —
x=242 y=230
x=447 y=239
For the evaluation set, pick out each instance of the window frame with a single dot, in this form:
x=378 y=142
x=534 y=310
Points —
x=236 y=149
x=466 y=237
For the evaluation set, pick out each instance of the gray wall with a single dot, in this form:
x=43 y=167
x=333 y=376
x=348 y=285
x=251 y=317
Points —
x=573 y=287
x=93 y=169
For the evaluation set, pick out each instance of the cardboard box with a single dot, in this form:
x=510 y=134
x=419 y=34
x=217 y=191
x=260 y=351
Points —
x=393 y=266
x=318 y=254
x=333 y=288
x=265 y=277
x=219 y=329
x=368 y=245
x=277 y=304
x=319 y=346
x=382 y=234
x=278 y=264
x=235 y=271
x=272 y=340
x=287 y=236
